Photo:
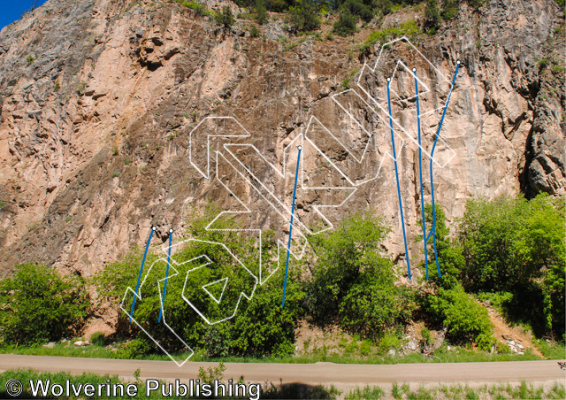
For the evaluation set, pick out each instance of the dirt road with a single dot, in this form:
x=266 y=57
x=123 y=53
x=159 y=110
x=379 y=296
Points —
x=341 y=375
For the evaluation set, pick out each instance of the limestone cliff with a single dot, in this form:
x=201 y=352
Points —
x=98 y=98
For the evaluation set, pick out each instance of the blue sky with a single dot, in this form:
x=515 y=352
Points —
x=12 y=10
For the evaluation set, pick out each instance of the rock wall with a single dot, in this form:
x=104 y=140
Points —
x=98 y=99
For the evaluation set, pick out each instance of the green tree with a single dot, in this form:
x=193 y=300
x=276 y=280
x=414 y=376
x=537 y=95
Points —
x=304 y=16
x=261 y=12
x=358 y=8
x=517 y=246
x=260 y=326
x=38 y=305
x=225 y=18
x=346 y=24
x=432 y=19
x=353 y=281
x=450 y=9
x=450 y=252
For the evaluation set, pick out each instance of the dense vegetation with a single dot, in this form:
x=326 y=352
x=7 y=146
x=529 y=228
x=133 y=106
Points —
x=38 y=305
x=508 y=250
x=304 y=15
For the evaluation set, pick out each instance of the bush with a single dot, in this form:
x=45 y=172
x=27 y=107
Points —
x=432 y=18
x=38 y=305
x=475 y=3
x=357 y=8
x=450 y=9
x=225 y=18
x=261 y=13
x=353 y=282
x=409 y=28
x=450 y=257
x=254 y=31
x=346 y=24
x=510 y=242
x=260 y=326
x=465 y=319
x=304 y=16
x=198 y=8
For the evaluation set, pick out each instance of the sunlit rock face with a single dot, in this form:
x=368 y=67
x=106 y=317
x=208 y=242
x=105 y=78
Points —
x=98 y=100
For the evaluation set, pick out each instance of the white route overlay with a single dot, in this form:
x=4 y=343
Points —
x=212 y=164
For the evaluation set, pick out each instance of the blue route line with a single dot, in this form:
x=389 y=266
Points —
x=433 y=231
x=291 y=226
x=397 y=177
x=166 y=275
x=421 y=173
x=433 y=227
x=141 y=270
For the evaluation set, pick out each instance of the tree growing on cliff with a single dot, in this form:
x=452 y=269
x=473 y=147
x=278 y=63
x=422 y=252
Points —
x=432 y=18
x=304 y=16
x=225 y=18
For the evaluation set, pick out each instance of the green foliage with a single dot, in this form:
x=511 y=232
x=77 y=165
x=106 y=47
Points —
x=357 y=8
x=254 y=31
x=198 y=8
x=517 y=246
x=261 y=326
x=346 y=83
x=225 y=18
x=450 y=257
x=98 y=339
x=353 y=282
x=425 y=333
x=432 y=18
x=465 y=319
x=475 y=3
x=261 y=12
x=408 y=28
x=560 y=3
x=304 y=16
x=39 y=305
x=366 y=393
x=30 y=59
x=211 y=374
x=450 y=9
x=346 y=24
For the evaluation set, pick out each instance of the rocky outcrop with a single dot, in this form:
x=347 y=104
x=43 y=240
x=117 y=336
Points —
x=97 y=100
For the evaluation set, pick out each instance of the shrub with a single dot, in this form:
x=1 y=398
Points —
x=353 y=282
x=198 y=8
x=450 y=257
x=261 y=12
x=304 y=16
x=358 y=8
x=475 y=3
x=409 y=28
x=450 y=9
x=510 y=242
x=38 y=305
x=432 y=18
x=260 y=326
x=465 y=319
x=346 y=24
x=254 y=31
x=225 y=18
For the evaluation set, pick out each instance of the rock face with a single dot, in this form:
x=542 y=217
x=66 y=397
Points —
x=98 y=99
